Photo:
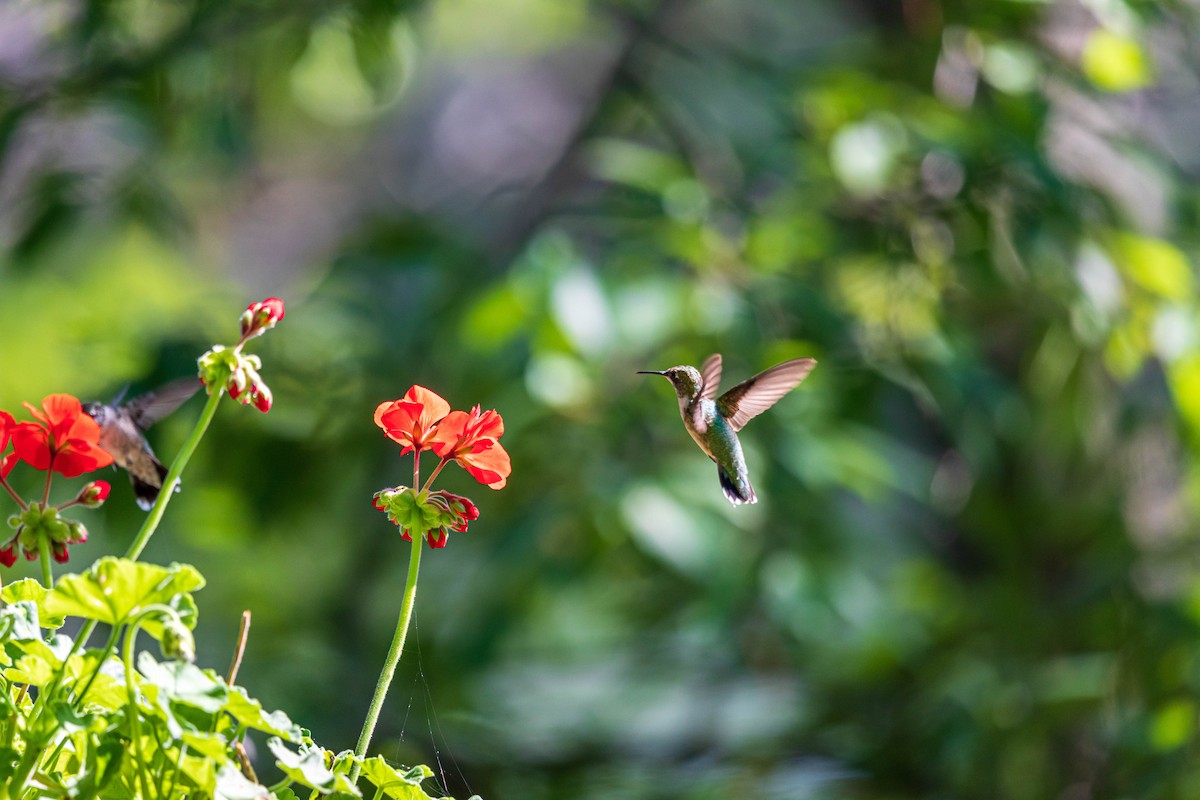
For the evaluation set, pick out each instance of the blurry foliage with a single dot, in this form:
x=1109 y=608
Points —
x=969 y=574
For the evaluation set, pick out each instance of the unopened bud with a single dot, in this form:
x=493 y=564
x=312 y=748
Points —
x=177 y=641
x=260 y=395
x=8 y=554
x=60 y=552
x=94 y=494
x=261 y=317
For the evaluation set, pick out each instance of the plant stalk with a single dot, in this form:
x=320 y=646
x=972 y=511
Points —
x=393 y=656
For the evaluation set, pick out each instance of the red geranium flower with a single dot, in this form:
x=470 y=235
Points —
x=470 y=439
x=64 y=439
x=410 y=421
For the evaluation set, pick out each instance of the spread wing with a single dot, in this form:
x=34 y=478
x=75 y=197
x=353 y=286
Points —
x=753 y=396
x=149 y=408
x=710 y=376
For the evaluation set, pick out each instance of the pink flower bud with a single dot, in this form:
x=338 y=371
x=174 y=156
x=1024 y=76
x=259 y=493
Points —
x=30 y=555
x=94 y=494
x=261 y=316
x=260 y=395
x=8 y=555
x=60 y=552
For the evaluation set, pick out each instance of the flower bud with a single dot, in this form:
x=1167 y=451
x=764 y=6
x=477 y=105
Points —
x=78 y=534
x=177 y=641
x=94 y=494
x=60 y=552
x=261 y=317
x=260 y=395
x=8 y=554
x=31 y=555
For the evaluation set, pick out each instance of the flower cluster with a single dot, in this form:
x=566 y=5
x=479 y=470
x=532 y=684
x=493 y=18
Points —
x=420 y=421
x=435 y=513
x=35 y=524
x=230 y=369
x=60 y=438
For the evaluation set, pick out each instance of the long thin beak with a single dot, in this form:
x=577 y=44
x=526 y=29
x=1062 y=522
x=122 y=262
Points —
x=650 y=372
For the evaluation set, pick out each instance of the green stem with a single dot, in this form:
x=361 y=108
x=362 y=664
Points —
x=108 y=648
x=185 y=453
x=131 y=689
x=393 y=656
x=135 y=735
x=44 y=556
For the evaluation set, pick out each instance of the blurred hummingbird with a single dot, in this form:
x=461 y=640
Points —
x=714 y=421
x=122 y=433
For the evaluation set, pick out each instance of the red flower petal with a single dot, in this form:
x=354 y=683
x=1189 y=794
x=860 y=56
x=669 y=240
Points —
x=411 y=420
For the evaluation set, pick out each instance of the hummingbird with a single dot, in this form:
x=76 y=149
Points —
x=714 y=421
x=122 y=433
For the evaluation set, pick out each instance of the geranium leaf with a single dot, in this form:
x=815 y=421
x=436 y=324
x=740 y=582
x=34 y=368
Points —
x=19 y=621
x=249 y=712
x=307 y=767
x=185 y=683
x=398 y=784
x=29 y=589
x=233 y=785
x=114 y=589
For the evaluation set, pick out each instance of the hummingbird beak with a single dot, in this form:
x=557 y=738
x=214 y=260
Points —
x=650 y=372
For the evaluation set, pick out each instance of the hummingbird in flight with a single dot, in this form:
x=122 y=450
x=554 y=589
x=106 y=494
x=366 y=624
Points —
x=714 y=421
x=122 y=433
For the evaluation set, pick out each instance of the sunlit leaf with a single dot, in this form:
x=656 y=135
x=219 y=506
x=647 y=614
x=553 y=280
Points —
x=29 y=589
x=402 y=785
x=20 y=621
x=308 y=767
x=233 y=785
x=249 y=712
x=185 y=683
x=112 y=590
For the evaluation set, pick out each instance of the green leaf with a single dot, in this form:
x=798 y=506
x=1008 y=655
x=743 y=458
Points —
x=249 y=712
x=19 y=621
x=108 y=689
x=114 y=589
x=233 y=785
x=210 y=745
x=401 y=785
x=184 y=683
x=308 y=767
x=29 y=589
x=39 y=662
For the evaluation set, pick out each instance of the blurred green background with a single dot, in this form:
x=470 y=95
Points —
x=972 y=569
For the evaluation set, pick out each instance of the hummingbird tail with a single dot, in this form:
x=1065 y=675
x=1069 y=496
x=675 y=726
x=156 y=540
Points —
x=146 y=492
x=738 y=495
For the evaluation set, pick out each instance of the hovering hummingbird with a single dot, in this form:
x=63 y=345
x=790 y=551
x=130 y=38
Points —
x=122 y=433
x=714 y=421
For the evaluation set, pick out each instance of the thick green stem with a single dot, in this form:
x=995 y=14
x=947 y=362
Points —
x=185 y=453
x=393 y=656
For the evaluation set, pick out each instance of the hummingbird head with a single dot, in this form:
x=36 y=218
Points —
x=97 y=411
x=686 y=380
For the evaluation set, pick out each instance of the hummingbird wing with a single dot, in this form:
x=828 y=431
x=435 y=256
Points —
x=149 y=408
x=755 y=395
x=710 y=376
